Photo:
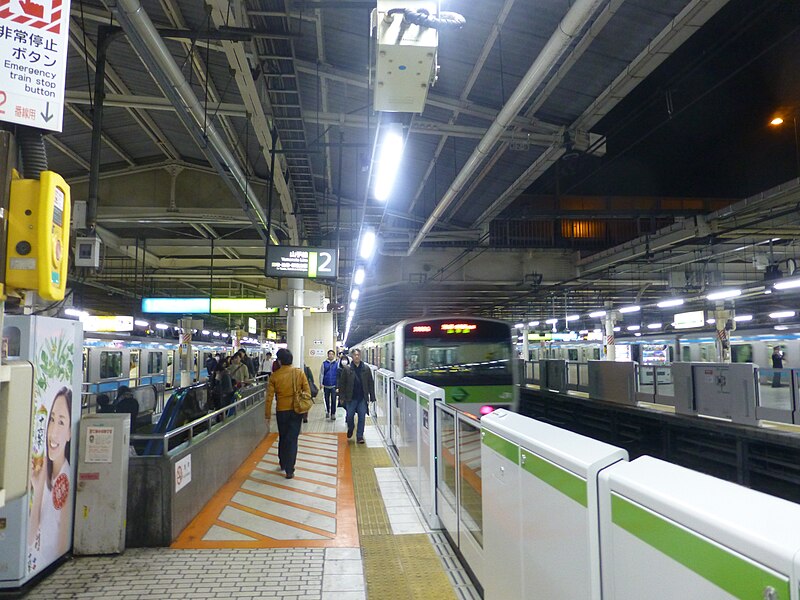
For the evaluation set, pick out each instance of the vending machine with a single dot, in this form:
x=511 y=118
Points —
x=39 y=444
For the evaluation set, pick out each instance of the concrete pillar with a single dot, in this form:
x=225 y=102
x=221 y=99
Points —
x=185 y=352
x=610 y=344
x=723 y=341
x=294 y=321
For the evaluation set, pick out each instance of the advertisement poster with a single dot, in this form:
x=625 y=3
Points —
x=56 y=407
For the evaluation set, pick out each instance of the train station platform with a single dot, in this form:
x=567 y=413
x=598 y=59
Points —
x=345 y=528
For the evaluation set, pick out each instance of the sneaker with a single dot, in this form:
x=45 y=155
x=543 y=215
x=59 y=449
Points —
x=360 y=440
x=349 y=432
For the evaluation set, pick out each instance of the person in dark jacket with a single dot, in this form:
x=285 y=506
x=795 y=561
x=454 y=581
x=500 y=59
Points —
x=777 y=363
x=223 y=386
x=357 y=389
x=327 y=377
x=127 y=403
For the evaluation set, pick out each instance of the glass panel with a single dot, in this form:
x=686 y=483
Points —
x=155 y=362
x=664 y=385
x=775 y=388
x=686 y=353
x=134 y=367
x=742 y=353
x=572 y=373
x=469 y=469
x=170 y=360
x=110 y=365
x=583 y=374
x=646 y=379
x=446 y=440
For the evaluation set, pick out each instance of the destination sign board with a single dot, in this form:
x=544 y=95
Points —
x=301 y=262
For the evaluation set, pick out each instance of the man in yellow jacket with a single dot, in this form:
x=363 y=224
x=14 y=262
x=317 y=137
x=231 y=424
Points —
x=282 y=385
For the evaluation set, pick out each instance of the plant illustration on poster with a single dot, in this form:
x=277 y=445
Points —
x=51 y=488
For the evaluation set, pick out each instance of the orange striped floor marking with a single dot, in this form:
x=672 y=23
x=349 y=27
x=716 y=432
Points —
x=228 y=501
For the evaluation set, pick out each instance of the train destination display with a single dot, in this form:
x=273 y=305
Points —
x=303 y=262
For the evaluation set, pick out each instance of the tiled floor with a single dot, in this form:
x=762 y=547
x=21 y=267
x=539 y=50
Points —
x=264 y=536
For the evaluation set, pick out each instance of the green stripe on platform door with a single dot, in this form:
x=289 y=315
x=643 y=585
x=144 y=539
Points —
x=501 y=445
x=556 y=477
x=737 y=576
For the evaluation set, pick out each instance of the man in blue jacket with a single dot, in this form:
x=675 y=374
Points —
x=327 y=377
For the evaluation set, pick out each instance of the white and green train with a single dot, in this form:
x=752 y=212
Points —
x=470 y=358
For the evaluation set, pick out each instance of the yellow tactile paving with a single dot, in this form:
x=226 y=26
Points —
x=259 y=508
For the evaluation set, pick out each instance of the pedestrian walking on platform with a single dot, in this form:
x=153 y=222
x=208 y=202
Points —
x=777 y=363
x=327 y=378
x=283 y=385
x=357 y=389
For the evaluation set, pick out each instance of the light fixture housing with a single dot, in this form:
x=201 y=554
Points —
x=551 y=321
x=782 y=314
x=162 y=326
x=670 y=303
x=533 y=323
x=358 y=277
x=141 y=323
x=572 y=318
x=787 y=284
x=355 y=294
x=654 y=325
x=633 y=328
x=724 y=294
x=353 y=305
x=630 y=309
x=390 y=154
x=743 y=318
x=367 y=246
x=597 y=314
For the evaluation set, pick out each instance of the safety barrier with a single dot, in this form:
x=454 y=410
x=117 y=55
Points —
x=168 y=489
x=563 y=513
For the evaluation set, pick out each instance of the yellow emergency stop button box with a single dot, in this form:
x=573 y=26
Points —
x=38 y=236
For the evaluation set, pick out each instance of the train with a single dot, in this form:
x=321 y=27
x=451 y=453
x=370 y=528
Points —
x=752 y=345
x=470 y=358
x=110 y=360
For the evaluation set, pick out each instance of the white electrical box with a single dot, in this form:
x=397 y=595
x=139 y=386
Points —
x=405 y=57
x=102 y=495
x=87 y=252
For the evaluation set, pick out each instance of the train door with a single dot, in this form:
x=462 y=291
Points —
x=170 y=367
x=86 y=364
x=135 y=355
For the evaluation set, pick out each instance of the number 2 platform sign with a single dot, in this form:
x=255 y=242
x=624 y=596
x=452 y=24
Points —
x=33 y=62
x=301 y=262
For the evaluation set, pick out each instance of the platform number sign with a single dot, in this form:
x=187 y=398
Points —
x=301 y=262
x=33 y=61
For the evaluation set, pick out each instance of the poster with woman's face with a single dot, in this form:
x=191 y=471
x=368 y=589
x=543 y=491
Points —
x=52 y=481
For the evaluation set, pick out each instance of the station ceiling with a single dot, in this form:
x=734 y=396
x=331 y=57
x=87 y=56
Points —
x=677 y=92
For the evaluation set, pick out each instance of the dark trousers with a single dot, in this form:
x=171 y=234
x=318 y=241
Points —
x=357 y=407
x=288 y=432
x=776 y=379
x=330 y=400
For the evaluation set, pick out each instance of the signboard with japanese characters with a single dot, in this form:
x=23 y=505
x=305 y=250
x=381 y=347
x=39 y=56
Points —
x=33 y=55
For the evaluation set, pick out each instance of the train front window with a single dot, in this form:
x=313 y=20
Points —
x=440 y=356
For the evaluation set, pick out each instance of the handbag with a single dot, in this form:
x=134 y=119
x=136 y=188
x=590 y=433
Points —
x=301 y=400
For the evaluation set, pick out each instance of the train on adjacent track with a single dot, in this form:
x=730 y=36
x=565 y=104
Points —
x=470 y=358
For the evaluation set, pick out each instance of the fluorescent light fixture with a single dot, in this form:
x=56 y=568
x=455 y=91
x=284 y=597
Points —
x=241 y=305
x=205 y=332
x=633 y=327
x=711 y=321
x=788 y=284
x=359 y=276
x=74 y=312
x=551 y=321
x=141 y=323
x=743 y=318
x=654 y=325
x=630 y=309
x=367 y=245
x=353 y=305
x=533 y=324
x=187 y=306
x=669 y=303
x=617 y=328
x=224 y=335
x=354 y=295
x=572 y=318
x=162 y=326
x=781 y=327
x=215 y=334
x=638 y=334
x=782 y=314
x=724 y=294
x=390 y=154
x=519 y=325
x=583 y=332
x=597 y=314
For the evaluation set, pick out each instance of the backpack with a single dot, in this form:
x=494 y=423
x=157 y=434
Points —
x=311 y=384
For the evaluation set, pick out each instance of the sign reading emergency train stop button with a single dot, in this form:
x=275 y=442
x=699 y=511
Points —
x=33 y=61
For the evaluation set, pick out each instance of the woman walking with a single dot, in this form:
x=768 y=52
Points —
x=283 y=384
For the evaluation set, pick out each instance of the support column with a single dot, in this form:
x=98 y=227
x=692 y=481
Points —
x=294 y=321
x=723 y=341
x=526 y=356
x=185 y=352
x=610 y=344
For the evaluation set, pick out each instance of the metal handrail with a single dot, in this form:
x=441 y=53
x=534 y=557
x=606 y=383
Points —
x=243 y=402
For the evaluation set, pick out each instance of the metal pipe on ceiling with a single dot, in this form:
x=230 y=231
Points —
x=157 y=57
x=576 y=19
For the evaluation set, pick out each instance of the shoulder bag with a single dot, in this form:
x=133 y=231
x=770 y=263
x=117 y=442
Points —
x=301 y=400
